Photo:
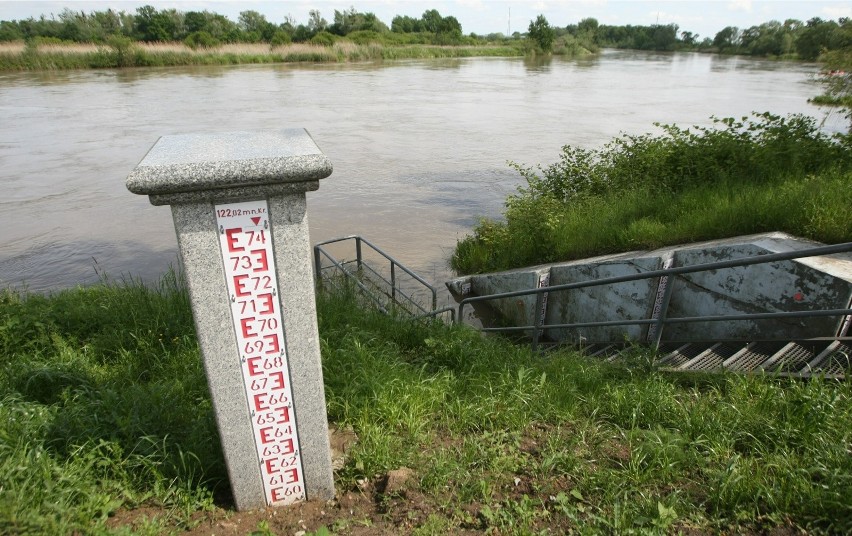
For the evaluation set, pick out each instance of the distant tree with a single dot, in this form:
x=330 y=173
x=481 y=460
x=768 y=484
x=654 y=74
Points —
x=316 y=23
x=152 y=25
x=349 y=20
x=10 y=31
x=816 y=37
x=406 y=24
x=587 y=30
x=444 y=30
x=431 y=21
x=194 y=21
x=450 y=25
x=302 y=33
x=541 y=33
x=255 y=24
x=664 y=36
x=727 y=38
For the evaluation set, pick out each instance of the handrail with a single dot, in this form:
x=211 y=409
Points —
x=319 y=251
x=756 y=259
x=358 y=240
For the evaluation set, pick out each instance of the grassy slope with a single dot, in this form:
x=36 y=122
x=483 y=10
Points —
x=764 y=173
x=103 y=406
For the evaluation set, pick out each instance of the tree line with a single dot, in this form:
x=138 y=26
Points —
x=204 y=28
x=791 y=38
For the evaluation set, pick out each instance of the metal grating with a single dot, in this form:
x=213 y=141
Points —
x=791 y=358
x=836 y=360
x=753 y=356
x=683 y=354
x=801 y=358
x=713 y=357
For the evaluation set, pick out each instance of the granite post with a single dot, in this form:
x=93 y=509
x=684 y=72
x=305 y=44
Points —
x=238 y=203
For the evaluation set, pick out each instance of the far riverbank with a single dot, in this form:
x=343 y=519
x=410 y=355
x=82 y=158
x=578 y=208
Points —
x=20 y=56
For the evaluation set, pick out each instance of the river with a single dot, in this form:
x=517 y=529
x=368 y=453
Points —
x=419 y=148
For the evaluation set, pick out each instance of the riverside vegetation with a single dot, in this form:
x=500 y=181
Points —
x=750 y=175
x=120 y=52
x=122 y=39
x=106 y=427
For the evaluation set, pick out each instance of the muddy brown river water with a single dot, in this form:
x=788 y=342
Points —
x=420 y=148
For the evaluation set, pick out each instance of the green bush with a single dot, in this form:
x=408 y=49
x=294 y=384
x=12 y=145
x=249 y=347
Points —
x=280 y=37
x=323 y=38
x=758 y=174
x=364 y=37
x=201 y=39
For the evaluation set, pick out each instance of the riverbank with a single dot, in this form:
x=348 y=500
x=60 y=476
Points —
x=106 y=426
x=741 y=176
x=46 y=57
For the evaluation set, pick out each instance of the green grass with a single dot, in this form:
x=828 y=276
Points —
x=64 y=57
x=103 y=403
x=104 y=408
x=642 y=192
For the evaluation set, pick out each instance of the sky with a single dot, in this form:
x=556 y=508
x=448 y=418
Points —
x=704 y=17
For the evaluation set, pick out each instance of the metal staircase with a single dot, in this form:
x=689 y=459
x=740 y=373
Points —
x=390 y=286
x=829 y=358
x=381 y=279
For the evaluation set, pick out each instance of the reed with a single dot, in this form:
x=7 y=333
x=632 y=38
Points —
x=55 y=56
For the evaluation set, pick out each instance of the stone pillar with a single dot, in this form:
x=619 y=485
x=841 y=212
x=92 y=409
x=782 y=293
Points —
x=238 y=203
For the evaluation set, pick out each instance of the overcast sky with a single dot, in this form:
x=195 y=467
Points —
x=705 y=17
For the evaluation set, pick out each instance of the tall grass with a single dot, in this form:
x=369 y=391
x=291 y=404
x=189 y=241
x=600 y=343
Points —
x=761 y=174
x=104 y=407
x=52 y=56
x=103 y=403
x=566 y=443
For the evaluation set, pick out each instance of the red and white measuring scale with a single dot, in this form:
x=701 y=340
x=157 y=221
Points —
x=246 y=244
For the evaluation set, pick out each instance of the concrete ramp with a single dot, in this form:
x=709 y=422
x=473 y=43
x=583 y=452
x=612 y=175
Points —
x=806 y=284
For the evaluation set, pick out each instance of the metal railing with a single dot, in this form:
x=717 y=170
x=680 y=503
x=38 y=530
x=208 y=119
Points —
x=393 y=291
x=661 y=321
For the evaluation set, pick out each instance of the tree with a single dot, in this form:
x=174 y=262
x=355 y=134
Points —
x=316 y=23
x=10 y=31
x=816 y=37
x=255 y=24
x=688 y=38
x=349 y=21
x=431 y=21
x=541 y=33
x=728 y=37
x=153 y=25
x=587 y=30
x=406 y=24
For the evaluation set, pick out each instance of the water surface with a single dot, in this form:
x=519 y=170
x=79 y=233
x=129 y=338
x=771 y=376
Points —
x=420 y=148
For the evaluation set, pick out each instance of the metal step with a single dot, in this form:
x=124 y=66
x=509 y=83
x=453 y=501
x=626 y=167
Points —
x=793 y=357
x=834 y=361
x=712 y=358
x=752 y=356
x=683 y=354
x=801 y=359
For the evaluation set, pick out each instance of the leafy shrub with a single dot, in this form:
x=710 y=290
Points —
x=323 y=38
x=280 y=37
x=364 y=37
x=758 y=174
x=748 y=150
x=201 y=39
